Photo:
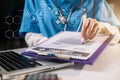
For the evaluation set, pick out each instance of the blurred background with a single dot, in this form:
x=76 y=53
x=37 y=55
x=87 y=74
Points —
x=10 y=20
x=115 y=5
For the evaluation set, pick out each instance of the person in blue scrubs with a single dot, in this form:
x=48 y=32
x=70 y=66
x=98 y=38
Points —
x=43 y=19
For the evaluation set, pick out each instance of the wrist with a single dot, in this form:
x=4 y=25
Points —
x=104 y=28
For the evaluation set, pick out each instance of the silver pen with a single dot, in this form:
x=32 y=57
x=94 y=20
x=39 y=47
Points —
x=84 y=16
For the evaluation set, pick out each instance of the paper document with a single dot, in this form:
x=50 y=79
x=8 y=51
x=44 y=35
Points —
x=67 y=44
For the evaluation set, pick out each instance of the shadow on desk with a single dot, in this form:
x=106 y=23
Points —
x=78 y=66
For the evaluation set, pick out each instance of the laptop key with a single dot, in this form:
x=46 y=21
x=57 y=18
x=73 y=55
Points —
x=11 y=61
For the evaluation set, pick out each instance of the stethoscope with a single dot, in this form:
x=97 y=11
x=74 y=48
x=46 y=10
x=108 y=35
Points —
x=64 y=20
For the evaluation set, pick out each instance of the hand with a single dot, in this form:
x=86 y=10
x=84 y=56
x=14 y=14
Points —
x=90 y=28
x=33 y=39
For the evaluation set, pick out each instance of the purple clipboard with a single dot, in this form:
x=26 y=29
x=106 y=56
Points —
x=91 y=60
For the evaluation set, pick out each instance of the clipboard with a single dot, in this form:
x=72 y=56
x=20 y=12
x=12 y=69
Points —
x=95 y=55
x=90 y=60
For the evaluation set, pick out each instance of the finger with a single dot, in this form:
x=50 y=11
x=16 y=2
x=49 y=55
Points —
x=91 y=28
x=84 y=28
x=94 y=33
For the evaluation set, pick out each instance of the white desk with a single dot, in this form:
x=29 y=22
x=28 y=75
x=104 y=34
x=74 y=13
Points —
x=106 y=67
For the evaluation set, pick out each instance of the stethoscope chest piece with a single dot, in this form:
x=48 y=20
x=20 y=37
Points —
x=62 y=19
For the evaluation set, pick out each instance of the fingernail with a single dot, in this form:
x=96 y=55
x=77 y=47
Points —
x=83 y=41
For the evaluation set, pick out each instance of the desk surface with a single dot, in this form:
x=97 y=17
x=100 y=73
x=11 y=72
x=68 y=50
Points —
x=106 y=67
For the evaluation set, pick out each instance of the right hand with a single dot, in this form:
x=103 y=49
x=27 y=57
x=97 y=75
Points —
x=90 y=28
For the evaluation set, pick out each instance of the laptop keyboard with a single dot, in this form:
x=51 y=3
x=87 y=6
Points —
x=11 y=61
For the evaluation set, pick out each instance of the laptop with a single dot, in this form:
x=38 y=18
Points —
x=13 y=64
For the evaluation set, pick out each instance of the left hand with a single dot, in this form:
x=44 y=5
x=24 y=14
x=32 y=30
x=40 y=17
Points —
x=90 y=28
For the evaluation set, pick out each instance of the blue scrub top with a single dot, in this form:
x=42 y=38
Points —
x=42 y=16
